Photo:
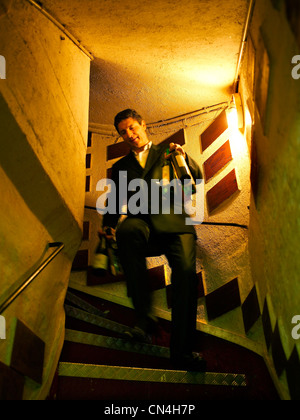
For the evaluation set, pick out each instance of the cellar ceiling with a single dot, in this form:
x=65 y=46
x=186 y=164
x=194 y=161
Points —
x=162 y=57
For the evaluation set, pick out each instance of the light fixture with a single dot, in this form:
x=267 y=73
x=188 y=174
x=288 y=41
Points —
x=248 y=118
x=237 y=101
x=235 y=119
x=232 y=117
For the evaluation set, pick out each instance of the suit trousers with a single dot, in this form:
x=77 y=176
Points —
x=136 y=241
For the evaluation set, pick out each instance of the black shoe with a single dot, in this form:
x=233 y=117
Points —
x=190 y=362
x=149 y=325
x=138 y=334
x=143 y=330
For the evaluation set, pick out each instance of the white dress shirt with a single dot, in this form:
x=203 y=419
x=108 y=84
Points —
x=143 y=155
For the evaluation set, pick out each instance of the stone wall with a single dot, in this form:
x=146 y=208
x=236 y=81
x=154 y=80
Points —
x=271 y=95
x=44 y=123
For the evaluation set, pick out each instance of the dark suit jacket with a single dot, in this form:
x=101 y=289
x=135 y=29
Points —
x=162 y=223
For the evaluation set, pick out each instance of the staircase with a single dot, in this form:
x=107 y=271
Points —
x=99 y=363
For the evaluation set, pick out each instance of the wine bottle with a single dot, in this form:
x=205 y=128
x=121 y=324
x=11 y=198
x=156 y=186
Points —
x=182 y=171
x=166 y=175
x=101 y=260
x=112 y=250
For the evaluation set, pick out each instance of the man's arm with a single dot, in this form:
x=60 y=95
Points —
x=194 y=168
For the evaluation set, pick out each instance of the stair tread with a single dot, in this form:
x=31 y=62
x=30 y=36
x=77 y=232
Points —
x=81 y=370
x=100 y=321
x=116 y=343
x=102 y=326
x=87 y=354
x=83 y=304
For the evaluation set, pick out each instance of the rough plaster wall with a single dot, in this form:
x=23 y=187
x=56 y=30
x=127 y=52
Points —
x=23 y=242
x=274 y=216
x=44 y=121
x=36 y=50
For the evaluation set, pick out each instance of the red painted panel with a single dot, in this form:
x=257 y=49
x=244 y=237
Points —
x=117 y=150
x=222 y=191
x=217 y=161
x=223 y=300
x=214 y=131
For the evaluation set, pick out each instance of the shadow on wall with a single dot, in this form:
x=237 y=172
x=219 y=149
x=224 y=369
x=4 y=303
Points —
x=24 y=169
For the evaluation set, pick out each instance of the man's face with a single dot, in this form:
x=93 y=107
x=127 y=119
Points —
x=133 y=133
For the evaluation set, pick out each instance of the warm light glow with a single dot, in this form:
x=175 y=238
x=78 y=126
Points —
x=248 y=118
x=237 y=100
x=236 y=138
x=232 y=118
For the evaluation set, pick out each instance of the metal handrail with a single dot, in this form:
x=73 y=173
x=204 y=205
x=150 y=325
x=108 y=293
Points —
x=14 y=295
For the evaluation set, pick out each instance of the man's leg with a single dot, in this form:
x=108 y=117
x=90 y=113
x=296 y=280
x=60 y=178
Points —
x=132 y=239
x=181 y=254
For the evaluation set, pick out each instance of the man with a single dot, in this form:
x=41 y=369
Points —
x=156 y=233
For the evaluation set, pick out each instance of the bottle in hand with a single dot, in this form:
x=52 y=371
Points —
x=182 y=171
x=112 y=249
x=101 y=260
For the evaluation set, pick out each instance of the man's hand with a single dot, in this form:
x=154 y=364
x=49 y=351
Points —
x=108 y=232
x=177 y=147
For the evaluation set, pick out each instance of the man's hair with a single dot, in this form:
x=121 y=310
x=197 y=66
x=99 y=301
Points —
x=127 y=113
